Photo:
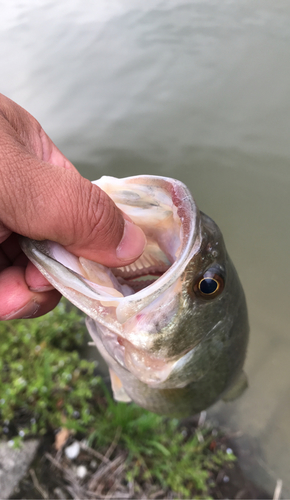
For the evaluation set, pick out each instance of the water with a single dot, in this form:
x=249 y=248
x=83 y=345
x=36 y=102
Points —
x=197 y=90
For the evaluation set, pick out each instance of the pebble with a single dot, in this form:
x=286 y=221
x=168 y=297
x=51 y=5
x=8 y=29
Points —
x=73 y=450
x=59 y=494
x=81 y=471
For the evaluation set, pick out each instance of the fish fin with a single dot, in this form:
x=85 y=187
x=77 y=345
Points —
x=118 y=389
x=237 y=389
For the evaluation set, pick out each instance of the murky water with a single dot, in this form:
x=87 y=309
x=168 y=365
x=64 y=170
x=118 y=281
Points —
x=197 y=90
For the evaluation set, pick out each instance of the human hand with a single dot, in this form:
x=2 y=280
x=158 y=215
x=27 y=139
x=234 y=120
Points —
x=42 y=196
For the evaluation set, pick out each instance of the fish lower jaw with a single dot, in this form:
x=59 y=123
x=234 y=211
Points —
x=145 y=367
x=148 y=369
x=159 y=373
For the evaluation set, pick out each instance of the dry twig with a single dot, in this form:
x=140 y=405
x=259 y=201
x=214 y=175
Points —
x=114 y=443
x=157 y=494
x=94 y=453
x=104 y=471
x=37 y=485
x=74 y=488
x=116 y=483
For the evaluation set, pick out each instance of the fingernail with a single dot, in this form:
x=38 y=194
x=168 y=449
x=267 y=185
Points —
x=132 y=244
x=26 y=311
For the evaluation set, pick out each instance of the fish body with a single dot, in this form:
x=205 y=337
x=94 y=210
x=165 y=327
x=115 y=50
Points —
x=172 y=326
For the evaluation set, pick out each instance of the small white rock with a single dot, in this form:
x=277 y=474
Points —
x=73 y=450
x=81 y=471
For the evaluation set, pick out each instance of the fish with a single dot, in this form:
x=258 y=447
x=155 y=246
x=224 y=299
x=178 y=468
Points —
x=172 y=326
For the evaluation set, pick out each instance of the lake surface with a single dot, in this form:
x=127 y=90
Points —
x=197 y=90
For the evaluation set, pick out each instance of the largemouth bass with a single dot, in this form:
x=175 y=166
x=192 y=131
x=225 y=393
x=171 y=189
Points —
x=173 y=325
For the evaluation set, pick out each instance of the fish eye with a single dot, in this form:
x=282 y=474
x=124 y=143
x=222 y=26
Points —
x=209 y=285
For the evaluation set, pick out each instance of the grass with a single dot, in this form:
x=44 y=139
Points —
x=43 y=380
x=45 y=385
x=162 y=450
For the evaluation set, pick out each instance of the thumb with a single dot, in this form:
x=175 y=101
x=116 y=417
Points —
x=102 y=233
x=45 y=201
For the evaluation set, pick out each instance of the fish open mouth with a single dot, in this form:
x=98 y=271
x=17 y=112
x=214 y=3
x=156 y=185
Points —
x=155 y=212
x=155 y=209
x=164 y=209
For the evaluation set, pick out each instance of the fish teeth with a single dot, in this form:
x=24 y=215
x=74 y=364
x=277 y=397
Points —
x=146 y=264
x=139 y=264
x=146 y=261
x=148 y=257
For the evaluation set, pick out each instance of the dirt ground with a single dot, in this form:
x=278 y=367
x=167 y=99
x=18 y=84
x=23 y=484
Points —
x=53 y=476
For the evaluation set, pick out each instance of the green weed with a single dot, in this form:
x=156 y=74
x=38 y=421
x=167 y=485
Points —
x=159 y=449
x=44 y=383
